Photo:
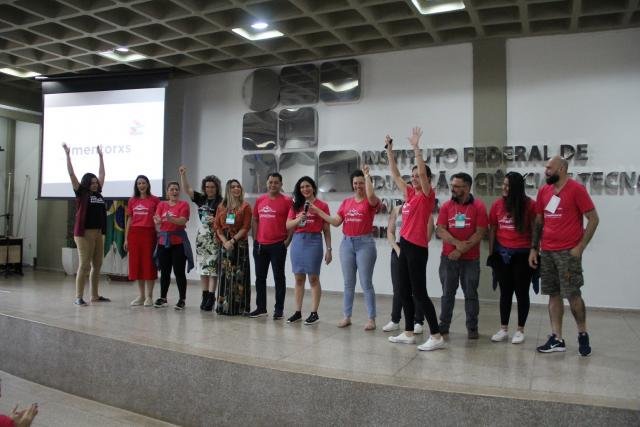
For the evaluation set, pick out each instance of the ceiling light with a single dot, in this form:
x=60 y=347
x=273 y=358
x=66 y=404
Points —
x=121 y=56
x=430 y=7
x=341 y=87
x=122 y=49
x=18 y=73
x=41 y=77
x=259 y=26
x=257 y=35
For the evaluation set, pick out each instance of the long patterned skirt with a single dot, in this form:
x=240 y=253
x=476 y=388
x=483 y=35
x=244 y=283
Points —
x=234 y=280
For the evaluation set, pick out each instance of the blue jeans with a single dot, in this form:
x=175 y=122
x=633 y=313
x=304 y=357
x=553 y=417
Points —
x=358 y=253
x=466 y=273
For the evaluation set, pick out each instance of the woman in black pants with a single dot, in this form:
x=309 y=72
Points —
x=173 y=249
x=419 y=200
x=510 y=222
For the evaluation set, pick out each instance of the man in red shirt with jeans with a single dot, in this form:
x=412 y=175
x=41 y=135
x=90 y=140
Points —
x=559 y=236
x=462 y=223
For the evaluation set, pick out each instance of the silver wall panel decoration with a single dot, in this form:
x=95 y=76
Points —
x=298 y=128
x=334 y=168
x=299 y=84
x=295 y=165
x=261 y=89
x=340 y=81
x=255 y=169
x=259 y=130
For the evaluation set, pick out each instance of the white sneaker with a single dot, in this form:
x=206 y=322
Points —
x=518 y=338
x=432 y=344
x=391 y=326
x=148 y=302
x=417 y=328
x=137 y=301
x=501 y=335
x=403 y=339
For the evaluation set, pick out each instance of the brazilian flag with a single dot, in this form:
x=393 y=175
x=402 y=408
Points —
x=115 y=227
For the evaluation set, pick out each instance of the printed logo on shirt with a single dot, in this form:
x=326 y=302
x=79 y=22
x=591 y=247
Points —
x=354 y=215
x=453 y=221
x=506 y=223
x=267 y=212
x=140 y=210
x=96 y=200
x=554 y=215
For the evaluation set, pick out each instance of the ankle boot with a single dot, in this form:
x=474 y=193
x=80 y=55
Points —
x=211 y=299
x=205 y=298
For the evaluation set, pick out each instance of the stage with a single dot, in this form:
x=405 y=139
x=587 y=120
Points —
x=187 y=367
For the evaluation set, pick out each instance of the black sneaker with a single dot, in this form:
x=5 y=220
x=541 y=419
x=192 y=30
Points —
x=160 y=302
x=312 y=319
x=472 y=334
x=297 y=316
x=179 y=305
x=277 y=315
x=80 y=302
x=552 y=345
x=258 y=313
x=211 y=300
x=583 y=344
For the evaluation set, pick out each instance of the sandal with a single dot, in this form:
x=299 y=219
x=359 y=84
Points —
x=370 y=325
x=344 y=323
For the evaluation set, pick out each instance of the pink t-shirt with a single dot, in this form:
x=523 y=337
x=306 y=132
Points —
x=314 y=222
x=562 y=228
x=179 y=210
x=357 y=216
x=461 y=221
x=271 y=216
x=141 y=211
x=6 y=421
x=506 y=232
x=416 y=214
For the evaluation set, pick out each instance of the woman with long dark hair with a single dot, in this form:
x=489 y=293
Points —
x=510 y=222
x=207 y=246
x=89 y=227
x=306 y=245
x=358 y=249
x=174 y=249
x=419 y=200
x=140 y=239
x=232 y=225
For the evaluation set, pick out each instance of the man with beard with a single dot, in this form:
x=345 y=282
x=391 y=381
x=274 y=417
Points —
x=560 y=238
x=270 y=244
x=462 y=223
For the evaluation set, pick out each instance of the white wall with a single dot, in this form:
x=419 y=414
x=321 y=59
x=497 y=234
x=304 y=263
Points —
x=585 y=88
x=431 y=88
x=26 y=179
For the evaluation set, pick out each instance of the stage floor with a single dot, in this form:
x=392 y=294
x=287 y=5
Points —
x=610 y=377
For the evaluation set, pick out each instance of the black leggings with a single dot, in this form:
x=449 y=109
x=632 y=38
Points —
x=396 y=303
x=172 y=257
x=412 y=272
x=514 y=277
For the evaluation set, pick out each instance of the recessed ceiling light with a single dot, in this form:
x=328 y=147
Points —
x=121 y=56
x=41 y=77
x=18 y=73
x=341 y=87
x=431 y=7
x=258 y=35
x=122 y=49
x=259 y=26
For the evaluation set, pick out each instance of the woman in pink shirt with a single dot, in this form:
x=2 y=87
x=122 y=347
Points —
x=510 y=222
x=419 y=200
x=140 y=239
x=358 y=249
x=173 y=250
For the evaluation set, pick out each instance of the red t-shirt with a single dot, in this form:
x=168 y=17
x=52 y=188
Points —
x=314 y=222
x=179 y=210
x=562 y=229
x=416 y=214
x=474 y=215
x=271 y=216
x=506 y=232
x=141 y=211
x=357 y=216
x=6 y=421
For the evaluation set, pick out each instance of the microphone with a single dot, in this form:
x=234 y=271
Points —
x=304 y=220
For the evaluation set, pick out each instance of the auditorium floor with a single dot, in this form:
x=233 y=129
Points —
x=610 y=377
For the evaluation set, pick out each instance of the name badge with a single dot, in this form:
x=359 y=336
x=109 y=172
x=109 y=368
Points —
x=231 y=218
x=553 y=204
x=461 y=220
